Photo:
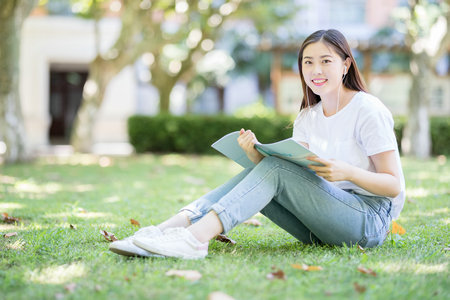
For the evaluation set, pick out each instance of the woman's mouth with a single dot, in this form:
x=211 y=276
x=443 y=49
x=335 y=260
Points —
x=319 y=81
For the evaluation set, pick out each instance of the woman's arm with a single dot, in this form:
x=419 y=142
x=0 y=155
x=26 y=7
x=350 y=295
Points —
x=384 y=182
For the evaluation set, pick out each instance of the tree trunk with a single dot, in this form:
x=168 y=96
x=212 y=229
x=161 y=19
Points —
x=101 y=73
x=221 y=98
x=416 y=137
x=12 y=130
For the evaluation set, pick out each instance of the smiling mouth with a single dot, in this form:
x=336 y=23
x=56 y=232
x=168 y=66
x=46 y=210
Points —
x=319 y=82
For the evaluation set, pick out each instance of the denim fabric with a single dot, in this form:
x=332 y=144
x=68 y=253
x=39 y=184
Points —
x=302 y=203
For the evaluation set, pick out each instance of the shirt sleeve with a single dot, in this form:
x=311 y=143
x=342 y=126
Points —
x=300 y=132
x=376 y=133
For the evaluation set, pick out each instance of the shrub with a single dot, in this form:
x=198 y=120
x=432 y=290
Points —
x=196 y=133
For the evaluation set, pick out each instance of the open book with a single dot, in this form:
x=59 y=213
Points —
x=287 y=149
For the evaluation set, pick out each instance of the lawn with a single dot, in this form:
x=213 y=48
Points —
x=63 y=203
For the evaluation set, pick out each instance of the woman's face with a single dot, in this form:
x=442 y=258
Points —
x=322 y=69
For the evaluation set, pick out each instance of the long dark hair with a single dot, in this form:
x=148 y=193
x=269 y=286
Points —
x=332 y=37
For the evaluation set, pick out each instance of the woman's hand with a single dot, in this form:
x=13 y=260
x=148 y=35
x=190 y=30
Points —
x=247 y=141
x=331 y=170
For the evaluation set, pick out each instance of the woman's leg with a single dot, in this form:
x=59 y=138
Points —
x=200 y=207
x=333 y=215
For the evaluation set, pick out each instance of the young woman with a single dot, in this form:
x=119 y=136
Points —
x=350 y=198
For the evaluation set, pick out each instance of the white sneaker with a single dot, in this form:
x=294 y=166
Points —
x=175 y=242
x=127 y=248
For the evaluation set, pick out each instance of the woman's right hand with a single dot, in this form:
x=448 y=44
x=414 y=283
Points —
x=247 y=141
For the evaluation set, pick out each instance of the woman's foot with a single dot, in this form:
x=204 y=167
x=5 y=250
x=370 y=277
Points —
x=127 y=248
x=175 y=242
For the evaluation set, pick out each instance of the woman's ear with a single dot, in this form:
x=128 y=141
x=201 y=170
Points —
x=347 y=64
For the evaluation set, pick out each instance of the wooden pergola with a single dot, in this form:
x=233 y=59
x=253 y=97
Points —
x=367 y=50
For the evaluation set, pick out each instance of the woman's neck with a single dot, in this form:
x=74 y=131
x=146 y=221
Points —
x=333 y=103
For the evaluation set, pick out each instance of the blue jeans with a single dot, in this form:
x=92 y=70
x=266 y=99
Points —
x=302 y=203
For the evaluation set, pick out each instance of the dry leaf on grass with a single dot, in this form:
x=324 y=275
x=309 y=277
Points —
x=108 y=236
x=253 y=222
x=72 y=227
x=70 y=287
x=224 y=239
x=367 y=271
x=191 y=275
x=361 y=249
x=219 y=296
x=10 y=234
x=278 y=274
x=397 y=228
x=359 y=288
x=306 y=267
x=9 y=219
x=135 y=223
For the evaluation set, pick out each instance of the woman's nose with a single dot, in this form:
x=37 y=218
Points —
x=317 y=69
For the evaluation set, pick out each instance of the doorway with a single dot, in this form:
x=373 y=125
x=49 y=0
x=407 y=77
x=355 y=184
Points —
x=66 y=90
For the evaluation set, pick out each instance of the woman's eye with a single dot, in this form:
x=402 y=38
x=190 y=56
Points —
x=326 y=61
x=307 y=62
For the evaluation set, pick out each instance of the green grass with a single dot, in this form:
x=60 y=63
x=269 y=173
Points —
x=53 y=193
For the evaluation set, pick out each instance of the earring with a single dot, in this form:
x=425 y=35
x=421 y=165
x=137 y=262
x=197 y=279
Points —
x=345 y=70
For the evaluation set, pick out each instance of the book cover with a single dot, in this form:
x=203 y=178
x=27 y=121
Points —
x=287 y=149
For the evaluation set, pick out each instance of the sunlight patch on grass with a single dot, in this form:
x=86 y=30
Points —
x=111 y=199
x=57 y=274
x=424 y=192
x=29 y=186
x=92 y=215
x=430 y=213
x=17 y=245
x=7 y=179
x=8 y=227
x=174 y=160
x=10 y=205
x=413 y=268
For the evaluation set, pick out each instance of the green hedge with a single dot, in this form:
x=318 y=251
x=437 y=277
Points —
x=195 y=134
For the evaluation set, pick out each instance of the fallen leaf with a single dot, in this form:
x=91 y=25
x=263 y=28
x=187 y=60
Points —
x=253 y=222
x=410 y=200
x=397 y=228
x=224 y=239
x=359 y=288
x=278 y=274
x=367 y=271
x=135 y=223
x=190 y=275
x=59 y=296
x=8 y=219
x=306 y=267
x=10 y=234
x=70 y=287
x=219 y=296
x=108 y=236
x=72 y=227
x=361 y=249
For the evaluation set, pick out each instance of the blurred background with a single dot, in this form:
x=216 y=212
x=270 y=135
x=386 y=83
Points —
x=75 y=71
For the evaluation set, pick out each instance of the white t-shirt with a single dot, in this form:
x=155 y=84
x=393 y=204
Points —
x=362 y=128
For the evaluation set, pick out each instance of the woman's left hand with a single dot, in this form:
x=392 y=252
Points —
x=331 y=169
